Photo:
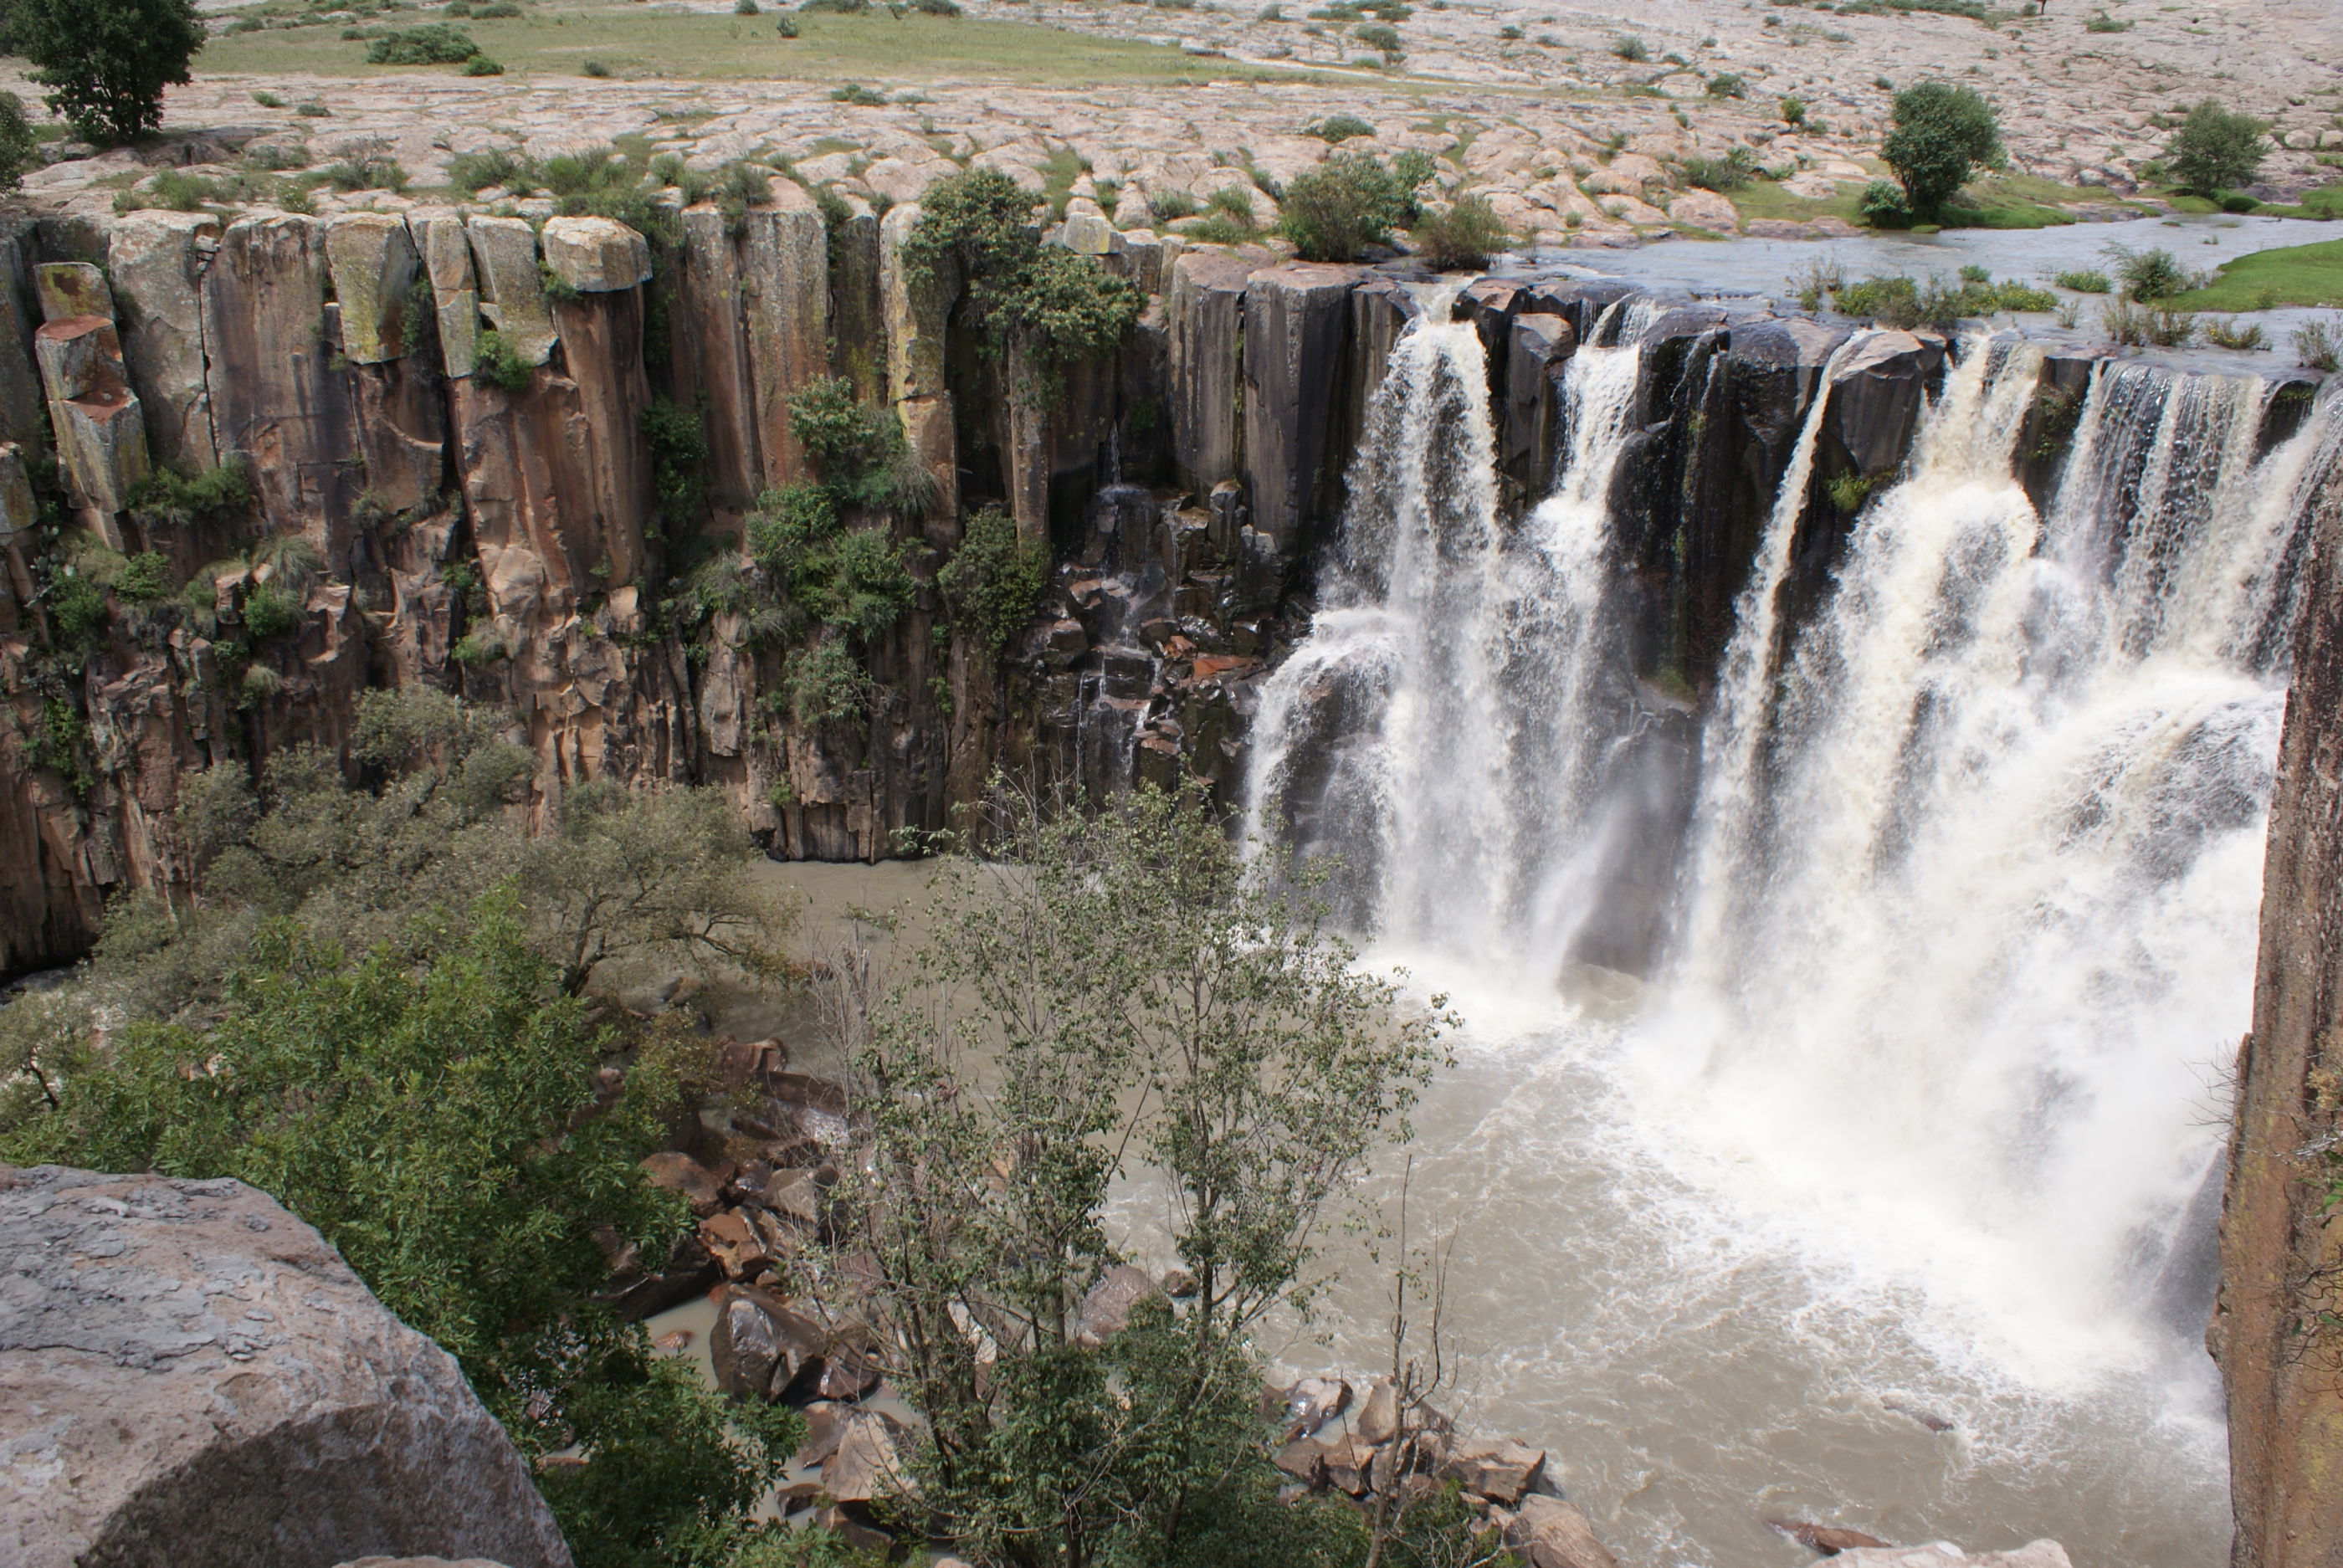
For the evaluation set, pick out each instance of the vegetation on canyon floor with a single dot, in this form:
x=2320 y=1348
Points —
x=385 y=1005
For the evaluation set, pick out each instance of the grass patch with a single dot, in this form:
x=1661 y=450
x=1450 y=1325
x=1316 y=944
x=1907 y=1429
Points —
x=828 y=49
x=2301 y=274
x=1762 y=199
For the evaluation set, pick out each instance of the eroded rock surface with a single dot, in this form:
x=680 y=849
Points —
x=166 y=1346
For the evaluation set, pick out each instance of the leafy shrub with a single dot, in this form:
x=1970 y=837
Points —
x=936 y=7
x=107 y=61
x=1351 y=201
x=858 y=94
x=593 y=68
x=2089 y=280
x=676 y=441
x=2318 y=344
x=364 y=171
x=1882 y=206
x=1382 y=38
x=2171 y=328
x=747 y=8
x=496 y=362
x=1055 y=306
x=994 y=581
x=2215 y=149
x=2011 y=294
x=167 y=500
x=1169 y=206
x=1727 y=85
x=20 y=145
x=1941 y=133
x=1729 y=173
x=144 y=577
x=269 y=612
x=2229 y=335
x=1794 y=110
x=2150 y=275
x=2100 y=22
x=434 y=43
x=312 y=110
x=786 y=26
x=1847 y=491
x=1630 y=49
x=498 y=10
x=1466 y=235
x=1971 y=272
x=481 y=66
x=1339 y=128
x=835 y=8
x=77 y=611
x=823 y=684
x=472 y=173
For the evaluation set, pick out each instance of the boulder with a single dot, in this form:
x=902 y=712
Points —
x=681 y=1174
x=372 y=259
x=1944 y=1554
x=1551 y=1533
x=1106 y=1310
x=762 y=1349
x=1704 y=209
x=169 y=1344
x=866 y=1463
x=1828 y=1540
x=1378 y=1417
x=596 y=255
x=1502 y=1470
x=512 y=289
x=1086 y=234
x=1312 y=1403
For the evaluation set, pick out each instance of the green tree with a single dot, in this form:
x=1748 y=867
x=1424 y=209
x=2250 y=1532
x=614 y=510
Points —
x=107 y=61
x=1109 y=996
x=432 y=1109
x=19 y=145
x=2215 y=150
x=1351 y=201
x=1941 y=135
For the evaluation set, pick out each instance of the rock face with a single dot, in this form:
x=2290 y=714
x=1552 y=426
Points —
x=1943 y=1554
x=165 y=1345
x=2278 y=1251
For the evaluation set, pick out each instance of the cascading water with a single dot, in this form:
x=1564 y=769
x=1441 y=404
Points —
x=1445 y=727
x=1918 y=1115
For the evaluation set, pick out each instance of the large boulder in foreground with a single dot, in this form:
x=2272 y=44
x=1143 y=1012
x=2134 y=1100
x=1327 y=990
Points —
x=191 y=1377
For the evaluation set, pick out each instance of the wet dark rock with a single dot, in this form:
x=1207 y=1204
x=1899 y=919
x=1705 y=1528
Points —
x=1828 y=1540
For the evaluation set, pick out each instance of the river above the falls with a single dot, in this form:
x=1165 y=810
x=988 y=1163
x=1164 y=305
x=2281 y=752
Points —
x=1771 y=269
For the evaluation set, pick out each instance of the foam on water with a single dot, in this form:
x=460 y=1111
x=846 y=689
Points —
x=1920 y=1112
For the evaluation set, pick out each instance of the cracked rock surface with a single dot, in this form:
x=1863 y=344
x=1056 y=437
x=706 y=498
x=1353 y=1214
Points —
x=168 y=1344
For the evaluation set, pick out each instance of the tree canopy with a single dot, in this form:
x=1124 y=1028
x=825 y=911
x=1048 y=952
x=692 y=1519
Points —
x=2216 y=150
x=107 y=61
x=1941 y=135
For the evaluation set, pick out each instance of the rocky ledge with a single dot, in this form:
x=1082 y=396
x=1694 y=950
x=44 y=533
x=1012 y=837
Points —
x=166 y=1344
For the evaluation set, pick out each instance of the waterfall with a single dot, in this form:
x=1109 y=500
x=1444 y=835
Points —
x=1447 y=723
x=1989 y=921
x=1923 y=1103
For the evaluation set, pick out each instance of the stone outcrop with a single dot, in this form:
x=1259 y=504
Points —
x=166 y=1346
x=1943 y=1554
x=2280 y=1256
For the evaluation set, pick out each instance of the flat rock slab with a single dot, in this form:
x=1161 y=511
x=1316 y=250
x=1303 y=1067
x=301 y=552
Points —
x=191 y=1378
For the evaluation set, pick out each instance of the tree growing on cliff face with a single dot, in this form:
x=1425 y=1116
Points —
x=1040 y=304
x=2215 y=150
x=1105 y=997
x=107 y=61
x=1941 y=135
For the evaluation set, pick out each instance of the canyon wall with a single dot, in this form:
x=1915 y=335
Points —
x=2274 y=1329
x=497 y=455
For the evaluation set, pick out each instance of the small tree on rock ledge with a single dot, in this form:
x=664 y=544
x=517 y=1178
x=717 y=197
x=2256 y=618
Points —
x=1941 y=135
